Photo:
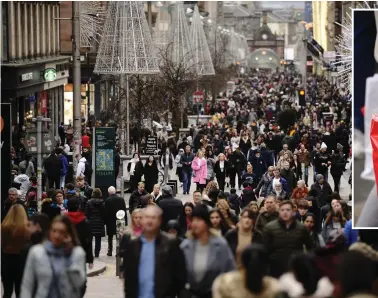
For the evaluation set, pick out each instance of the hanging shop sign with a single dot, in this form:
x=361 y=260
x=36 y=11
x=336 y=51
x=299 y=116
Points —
x=26 y=76
x=43 y=102
x=104 y=156
x=49 y=74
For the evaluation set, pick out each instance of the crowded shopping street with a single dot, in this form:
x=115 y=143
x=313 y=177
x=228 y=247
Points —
x=178 y=156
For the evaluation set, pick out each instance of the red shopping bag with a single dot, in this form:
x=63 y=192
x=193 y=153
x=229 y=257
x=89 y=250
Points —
x=374 y=143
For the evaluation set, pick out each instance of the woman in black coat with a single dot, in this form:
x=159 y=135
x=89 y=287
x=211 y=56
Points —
x=221 y=170
x=151 y=174
x=135 y=169
x=95 y=212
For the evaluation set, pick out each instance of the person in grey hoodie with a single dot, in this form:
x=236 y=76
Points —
x=56 y=268
x=206 y=253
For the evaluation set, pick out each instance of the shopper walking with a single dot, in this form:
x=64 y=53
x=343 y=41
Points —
x=14 y=236
x=95 y=213
x=55 y=268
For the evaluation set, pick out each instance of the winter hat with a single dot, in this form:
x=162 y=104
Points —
x=201 y=212
x=166 y=190
x=319 y=177
x=323 y=146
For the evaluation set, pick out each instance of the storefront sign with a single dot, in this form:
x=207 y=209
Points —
x=26 y=76
x=104 y=156
x=6 y=145
x=49 y=75
x=151 y=145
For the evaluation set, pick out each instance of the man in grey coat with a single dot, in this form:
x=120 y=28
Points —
x=207 y=254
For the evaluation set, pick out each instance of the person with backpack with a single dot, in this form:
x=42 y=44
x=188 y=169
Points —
x=84 y=168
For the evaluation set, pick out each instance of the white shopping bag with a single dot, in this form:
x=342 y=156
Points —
x=371 y=107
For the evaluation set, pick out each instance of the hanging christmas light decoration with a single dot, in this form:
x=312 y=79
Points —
x=92 y=17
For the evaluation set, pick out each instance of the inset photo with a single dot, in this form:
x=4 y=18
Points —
x=365 y=100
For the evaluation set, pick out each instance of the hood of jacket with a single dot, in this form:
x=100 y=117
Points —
x=76 y=217
x=83 y=159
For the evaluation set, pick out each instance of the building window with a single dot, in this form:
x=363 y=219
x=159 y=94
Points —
x=4 y=33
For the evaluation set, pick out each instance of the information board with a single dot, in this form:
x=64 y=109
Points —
x=31 y=141
x=151 y=145
x=6 y=145
x=104 y=156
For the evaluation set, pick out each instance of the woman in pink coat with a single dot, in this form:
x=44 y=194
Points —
x=199 y=167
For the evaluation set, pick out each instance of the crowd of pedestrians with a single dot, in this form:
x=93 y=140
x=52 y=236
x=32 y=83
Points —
x=255 y=223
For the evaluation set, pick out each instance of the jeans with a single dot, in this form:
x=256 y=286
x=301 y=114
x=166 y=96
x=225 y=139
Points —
x=187 y=180
x=62 y=181
x=304 y=170
x=97 y=245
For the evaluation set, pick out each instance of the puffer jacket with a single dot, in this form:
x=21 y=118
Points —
x=263 y=219
x=264 y=185
x=95 y=212
x=281 y=243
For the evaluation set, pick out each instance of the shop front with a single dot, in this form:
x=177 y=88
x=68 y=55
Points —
x=35 y=89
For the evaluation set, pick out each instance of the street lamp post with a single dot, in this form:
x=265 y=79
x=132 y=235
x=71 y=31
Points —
x=39 y=120
x=76 y=81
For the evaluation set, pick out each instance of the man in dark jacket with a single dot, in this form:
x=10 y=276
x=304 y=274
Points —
x=284 y=237
x=135 y=201
x=63 y=172
x=186 y=161
x=323 y=189
x=147 y=275
x=238 y=163
x=268 y=213
x=10 y=201
x=83 y=229
x=113 y=204
x=85 y=192
x=53 y=167
x=171 y=207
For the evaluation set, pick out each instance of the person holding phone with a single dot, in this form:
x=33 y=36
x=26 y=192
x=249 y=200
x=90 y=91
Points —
x=55 y=268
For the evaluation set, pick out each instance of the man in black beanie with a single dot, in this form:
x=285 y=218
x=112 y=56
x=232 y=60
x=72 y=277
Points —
x=207 y=254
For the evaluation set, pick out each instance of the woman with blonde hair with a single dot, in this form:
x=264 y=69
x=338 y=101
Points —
x=230 y=218
x=14 y=236
x=199 y=166
x=135 y=227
